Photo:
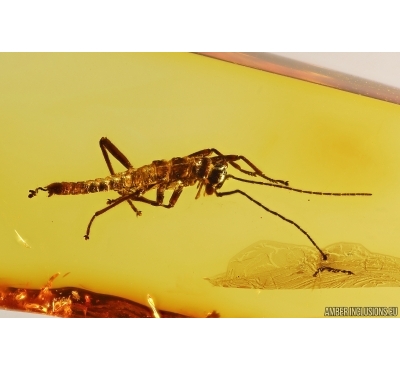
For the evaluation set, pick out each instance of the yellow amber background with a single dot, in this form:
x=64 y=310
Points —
x=54 y=108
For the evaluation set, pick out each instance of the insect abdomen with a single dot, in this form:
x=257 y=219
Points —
x=84 y=187
x=72 y=188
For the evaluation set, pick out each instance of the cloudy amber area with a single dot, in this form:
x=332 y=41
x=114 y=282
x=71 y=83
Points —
x=56 y=107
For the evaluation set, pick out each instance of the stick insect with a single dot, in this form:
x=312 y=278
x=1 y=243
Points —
x=207 y=168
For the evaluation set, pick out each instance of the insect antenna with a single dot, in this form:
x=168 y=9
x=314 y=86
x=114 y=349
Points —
x=225 y=193
x=293 y=189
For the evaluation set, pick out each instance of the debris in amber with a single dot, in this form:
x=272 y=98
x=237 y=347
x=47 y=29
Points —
x=76 y=302
x=273 y=265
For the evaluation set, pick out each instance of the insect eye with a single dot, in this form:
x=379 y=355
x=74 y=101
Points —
x=217 y=175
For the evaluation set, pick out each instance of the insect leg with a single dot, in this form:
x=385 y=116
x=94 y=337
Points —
x=331 y=269
x=106 y=144
x=324 y=256
x=160 y=197
x=160 y=194
x=175 y=195
x=205 y=153
x=151 y=202
x=98 y=213
x=137 y=211
x=232 y=159
x=257 y=172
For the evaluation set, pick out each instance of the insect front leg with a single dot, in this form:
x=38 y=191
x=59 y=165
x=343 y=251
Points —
x=232 y=159
x=256 y=171
x=206 y=153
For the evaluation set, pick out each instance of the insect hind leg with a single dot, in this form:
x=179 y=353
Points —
x=98 y=213
x=107 y=145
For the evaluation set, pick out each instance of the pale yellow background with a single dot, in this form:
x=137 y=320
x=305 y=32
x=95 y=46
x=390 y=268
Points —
x=54 y=108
